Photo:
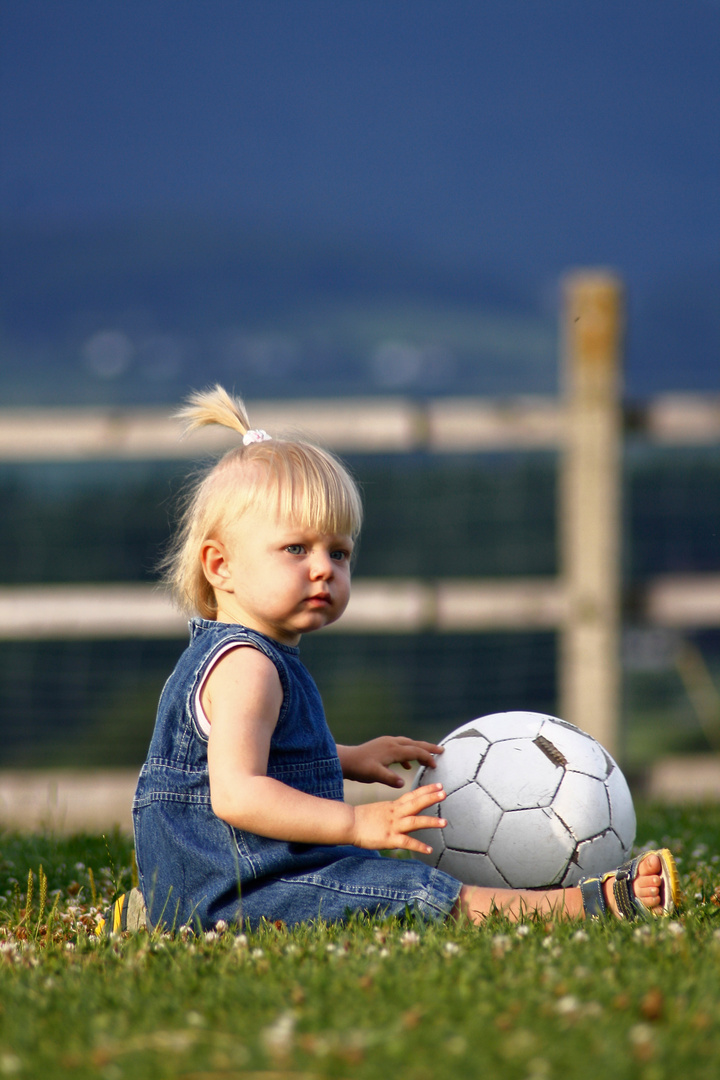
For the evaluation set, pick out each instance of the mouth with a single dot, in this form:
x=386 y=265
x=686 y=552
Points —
x=320 y=600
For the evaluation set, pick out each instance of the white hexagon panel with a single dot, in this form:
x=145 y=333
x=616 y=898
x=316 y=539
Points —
x=472 y=818
x=531 y=848
x=517 y=774
x=582 y=804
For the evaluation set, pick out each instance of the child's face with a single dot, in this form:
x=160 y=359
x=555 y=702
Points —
x=277 y=577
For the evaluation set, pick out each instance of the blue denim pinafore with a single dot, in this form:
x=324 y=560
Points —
x=196 y=869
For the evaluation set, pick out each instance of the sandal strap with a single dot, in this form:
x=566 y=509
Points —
x=593 y=898
x=622 y=891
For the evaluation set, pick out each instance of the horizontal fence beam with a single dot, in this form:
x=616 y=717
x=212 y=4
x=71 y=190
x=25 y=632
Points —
x=374 y=425
x=371 y=425
x=384 y=606
x=394 y=606
x=678 y=419
x=680 y=600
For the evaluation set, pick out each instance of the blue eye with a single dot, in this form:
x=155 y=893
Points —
x=295 y=549
x=340 y=556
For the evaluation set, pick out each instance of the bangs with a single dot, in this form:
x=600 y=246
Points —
x=296 y=482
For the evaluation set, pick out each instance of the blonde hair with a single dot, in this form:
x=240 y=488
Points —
x=289 y=478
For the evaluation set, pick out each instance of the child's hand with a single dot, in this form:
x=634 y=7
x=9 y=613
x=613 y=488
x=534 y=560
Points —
x=369 y=761
x=387 y=824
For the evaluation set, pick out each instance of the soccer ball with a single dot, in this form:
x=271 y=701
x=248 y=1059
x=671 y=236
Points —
x=532 y=802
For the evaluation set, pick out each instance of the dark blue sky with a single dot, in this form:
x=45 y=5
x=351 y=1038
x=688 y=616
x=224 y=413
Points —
x=534 y=134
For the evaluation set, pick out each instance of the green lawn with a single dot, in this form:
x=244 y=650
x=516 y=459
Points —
x=372 y=999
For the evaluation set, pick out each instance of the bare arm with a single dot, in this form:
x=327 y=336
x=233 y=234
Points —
x=242 y=698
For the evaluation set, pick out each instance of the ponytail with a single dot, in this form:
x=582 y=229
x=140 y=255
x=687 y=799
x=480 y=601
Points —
x=214 y=406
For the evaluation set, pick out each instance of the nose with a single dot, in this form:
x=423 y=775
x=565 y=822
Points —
x=322 y=567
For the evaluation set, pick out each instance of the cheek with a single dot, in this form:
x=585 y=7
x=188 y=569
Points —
x=344 y=581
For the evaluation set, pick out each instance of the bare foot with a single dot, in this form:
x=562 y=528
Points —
x=647 y=886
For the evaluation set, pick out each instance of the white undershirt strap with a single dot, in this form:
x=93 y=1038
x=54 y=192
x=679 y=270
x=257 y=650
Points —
x=203 y=722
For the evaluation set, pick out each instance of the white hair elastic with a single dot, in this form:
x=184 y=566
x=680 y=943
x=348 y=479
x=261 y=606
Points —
x=256 y=435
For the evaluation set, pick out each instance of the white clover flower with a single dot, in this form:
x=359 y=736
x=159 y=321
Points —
x=240 y=941
x=278 y=1036
x=676 y=929
x=523 y=930
x=641 y=1035
x=210 y=935
x=567 y=1005
x=451 y=948
x=409 y=938
x=221 y=926
x=580 y=935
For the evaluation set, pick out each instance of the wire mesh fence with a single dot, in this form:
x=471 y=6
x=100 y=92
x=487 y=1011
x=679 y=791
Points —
x=428 y=515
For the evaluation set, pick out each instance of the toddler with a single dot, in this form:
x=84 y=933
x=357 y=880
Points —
x=239 y=813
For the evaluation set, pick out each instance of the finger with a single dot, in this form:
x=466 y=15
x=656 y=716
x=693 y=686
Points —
x=426 y=758
x=418 y=744
x=424 y=821
x=425 y=789
x=421 y=798
x=383 y=775
x=429 y=747
x=406 y=760
x=405 y=754
x=417 y=845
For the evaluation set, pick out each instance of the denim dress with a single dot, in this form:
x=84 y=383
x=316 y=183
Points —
x=196 y=869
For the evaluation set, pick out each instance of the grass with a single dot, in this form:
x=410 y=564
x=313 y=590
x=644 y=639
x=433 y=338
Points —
x=368 y=1000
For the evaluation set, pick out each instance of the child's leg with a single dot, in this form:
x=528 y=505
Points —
x=477 y=903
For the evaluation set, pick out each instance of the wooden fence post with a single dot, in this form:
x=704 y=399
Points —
x=590 y=488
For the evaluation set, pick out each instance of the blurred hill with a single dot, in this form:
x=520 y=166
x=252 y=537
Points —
x=136 y=312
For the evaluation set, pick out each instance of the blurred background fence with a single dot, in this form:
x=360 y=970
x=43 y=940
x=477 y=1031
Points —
x=499 y=535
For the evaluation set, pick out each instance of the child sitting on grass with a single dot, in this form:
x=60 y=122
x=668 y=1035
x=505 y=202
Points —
x=239 y=813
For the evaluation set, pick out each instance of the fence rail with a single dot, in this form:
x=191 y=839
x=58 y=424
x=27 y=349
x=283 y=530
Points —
x=377 y=606
x=377 y=425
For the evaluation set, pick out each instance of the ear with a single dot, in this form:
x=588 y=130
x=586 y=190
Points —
x=215 y=564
